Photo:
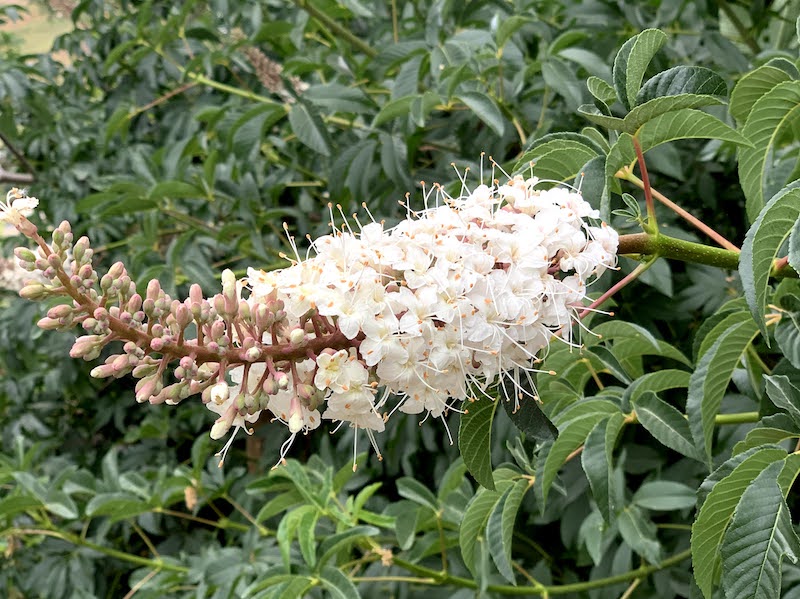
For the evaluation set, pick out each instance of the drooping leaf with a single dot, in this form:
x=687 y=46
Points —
x=639 y=532
x=759 y=536
x=528 y=417
x=632 y=61
x=662 y=105
x=776 y=110
x=500 y=527
x=558 y=159
x=597 y=464
x=309 y=128
x=710 y=380
x=601 y=90
x=717 y=509
x=784 y=395
x=474 y=440
x=665 y=495
x=761 y=245
x=485 y=109
x=666 y=424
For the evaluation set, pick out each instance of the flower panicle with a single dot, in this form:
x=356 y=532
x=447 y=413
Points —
x=428 y=314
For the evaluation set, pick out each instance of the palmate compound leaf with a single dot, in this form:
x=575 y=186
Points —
x=757 y=539
x=761 y=245
x=680 y=124
x=710 y=380
x=726 y=484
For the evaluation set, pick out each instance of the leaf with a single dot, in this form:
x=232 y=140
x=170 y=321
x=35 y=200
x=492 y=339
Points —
x=632 y=61
x=11 y=506
x=558 y=159
x=794 y=246
x=784 y=395
x=657 y=381
x=710 y=380
x=334 y=543
x=415 y=491
x=759 y=536
x=753 y=86
x=710 y=323
x=639 y=533
x=485 y=109
x=473 y=524
x=569 y=439
x=593 y=113
x=528 y=417
x=658 y=106
x=508 y=27
x=680 y=124
x=787 y=331
x=310 y=129
x=597 y=464
x=717 y=510
x=611 y=363
x=763 y=435
x=666 y=424
x=771 y=115
x=601 y=90
x=117 y=505
x=393 y=109
x=500 y=526
x=664 y=495
x=474 y=440
x=731 y=319
x=682 y=81
x=338 y=584
x=761 y=246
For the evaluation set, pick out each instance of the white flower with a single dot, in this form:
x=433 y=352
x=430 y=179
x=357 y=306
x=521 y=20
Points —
x=17 y=206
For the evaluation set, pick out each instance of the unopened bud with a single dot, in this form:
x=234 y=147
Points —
x=34 y=291
x=297 y=336
x=153 y=289
x=87 y=347
x=102 y=372
x=60 y=311
x=220 y=429
x=282 y=379
x=25 y=255
x=49 y=324
x=54 y=260
x=252 y=354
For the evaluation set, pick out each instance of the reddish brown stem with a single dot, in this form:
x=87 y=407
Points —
x=648 y=194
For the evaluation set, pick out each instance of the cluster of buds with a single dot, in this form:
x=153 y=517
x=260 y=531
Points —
x=424 y=316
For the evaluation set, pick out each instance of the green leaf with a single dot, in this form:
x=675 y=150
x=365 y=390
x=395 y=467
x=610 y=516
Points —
x=334 y=543
x=658 y=106
x=500 y=527
x=710 y=380
x=528 y=416
x=787 y=331
x=717 y=510
x=117 y=505
x=730 y=320
x=393 y=109
x=682 y=81
x=665 y=495
x=473 y=524
x=761 y=246
x=666 y=424
x=753 y=86
x=784 y=395
x=597 y=464
x=601 y=90
x=632 y=61
x=287 y=529
x=611 y=363
x=338 y=584
x=485 y=109
x=569 y=439
x=508 y=27
x=657 y=381
x=310 y=129
x=592 y=113
x=763 y=435
x=475 y=440
x=559 y=159
x=710 y=323
x=11 y=506
x=415 y=491
x=680 y=124
x=639 y=533
x=768 y=120
x=794 y=246
x=757 y=539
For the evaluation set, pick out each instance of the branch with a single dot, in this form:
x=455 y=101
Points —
x=16 y=178
x=336 y=28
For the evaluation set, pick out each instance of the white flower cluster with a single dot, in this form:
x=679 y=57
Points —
x=435 y=308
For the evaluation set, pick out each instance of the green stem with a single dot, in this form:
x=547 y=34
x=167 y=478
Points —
x=563 y=589
x=76 y=540
x=337 y=29
x=740 y=418
x=678 y=249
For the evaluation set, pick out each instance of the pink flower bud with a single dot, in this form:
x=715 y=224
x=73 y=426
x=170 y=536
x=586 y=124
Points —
x=102 y=372
x=48 y=324
x=33 y=291
x=153 y=289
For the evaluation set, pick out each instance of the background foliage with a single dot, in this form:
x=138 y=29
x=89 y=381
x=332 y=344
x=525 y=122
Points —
x=178 y=137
